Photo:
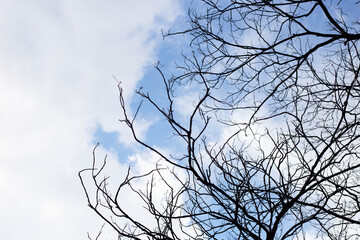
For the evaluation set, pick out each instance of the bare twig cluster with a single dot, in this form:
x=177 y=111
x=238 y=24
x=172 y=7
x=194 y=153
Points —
x=293 y=68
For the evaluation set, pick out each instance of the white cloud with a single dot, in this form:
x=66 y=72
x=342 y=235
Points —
x=57 y=59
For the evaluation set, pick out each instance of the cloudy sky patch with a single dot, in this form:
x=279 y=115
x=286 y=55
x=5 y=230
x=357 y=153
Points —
x=57 y=59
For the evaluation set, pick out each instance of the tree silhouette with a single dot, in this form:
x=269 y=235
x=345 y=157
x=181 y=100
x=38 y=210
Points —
x=282 y=79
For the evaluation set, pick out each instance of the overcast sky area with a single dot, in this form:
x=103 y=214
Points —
x=58 y=98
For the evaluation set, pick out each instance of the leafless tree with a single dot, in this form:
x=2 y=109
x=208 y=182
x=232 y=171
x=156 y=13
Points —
x=289 y=169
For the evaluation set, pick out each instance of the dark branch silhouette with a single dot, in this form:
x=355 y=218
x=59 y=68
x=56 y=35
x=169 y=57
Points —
x=289 y=169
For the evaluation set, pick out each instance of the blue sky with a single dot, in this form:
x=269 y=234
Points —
x=58 y=97
x=167 y=53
